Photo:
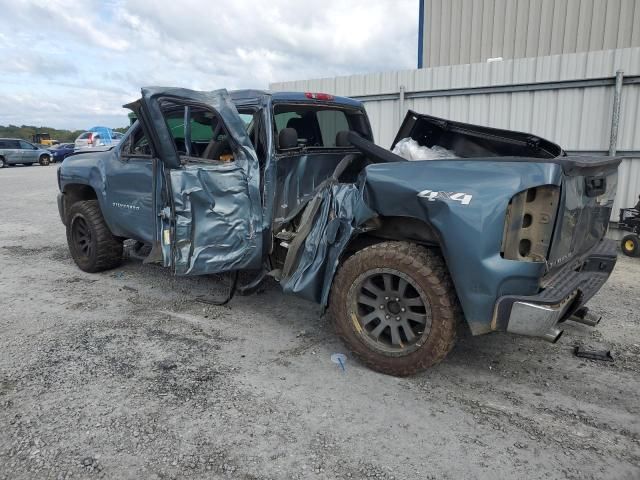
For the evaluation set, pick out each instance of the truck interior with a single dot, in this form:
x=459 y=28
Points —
x=312 y=139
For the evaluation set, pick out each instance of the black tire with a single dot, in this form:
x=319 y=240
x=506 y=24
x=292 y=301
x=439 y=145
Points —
x=419 y=269
x=44 y=160
x=2 y=162
x=91 y=243
x=630 y=245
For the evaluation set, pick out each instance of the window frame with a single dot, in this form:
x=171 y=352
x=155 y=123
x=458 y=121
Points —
x=349 y=112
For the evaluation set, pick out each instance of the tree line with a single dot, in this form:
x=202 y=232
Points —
x=26 y=132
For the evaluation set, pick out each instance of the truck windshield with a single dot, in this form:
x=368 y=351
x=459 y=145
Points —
x=317 y=126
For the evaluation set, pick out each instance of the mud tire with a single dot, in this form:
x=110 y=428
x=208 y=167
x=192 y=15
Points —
x=98 y=250
x=428 y=270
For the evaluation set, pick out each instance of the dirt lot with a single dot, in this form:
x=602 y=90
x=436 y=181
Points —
x=124 y=375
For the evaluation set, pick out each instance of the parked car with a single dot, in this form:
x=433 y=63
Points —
x=15 y=151
x=116 y=137
x=62 y=151
x=97 y=137
x=509 y=235
x=88 y=140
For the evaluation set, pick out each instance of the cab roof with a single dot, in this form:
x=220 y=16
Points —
x=248 y=95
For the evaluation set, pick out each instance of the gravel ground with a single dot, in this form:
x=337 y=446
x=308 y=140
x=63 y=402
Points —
x=123 y=375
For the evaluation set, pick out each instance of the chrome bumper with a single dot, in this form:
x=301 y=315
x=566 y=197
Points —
x=539 y=320
x=565 y=296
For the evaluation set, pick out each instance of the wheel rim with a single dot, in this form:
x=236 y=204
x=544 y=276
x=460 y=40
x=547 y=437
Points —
x=628 y=245
x=390 y=311
x=82 y=238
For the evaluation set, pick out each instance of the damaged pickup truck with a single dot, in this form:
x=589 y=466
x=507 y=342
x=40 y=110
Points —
x=508 y=236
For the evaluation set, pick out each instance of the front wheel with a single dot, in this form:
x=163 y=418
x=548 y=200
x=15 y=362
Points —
x=45 y=160
x=395 y=307
x=2 y=162
x=630 y=245
x=91 y=243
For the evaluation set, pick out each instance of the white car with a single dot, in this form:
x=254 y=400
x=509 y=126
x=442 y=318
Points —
x=88 y=140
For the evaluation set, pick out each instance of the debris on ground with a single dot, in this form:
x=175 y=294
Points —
x=602 y=355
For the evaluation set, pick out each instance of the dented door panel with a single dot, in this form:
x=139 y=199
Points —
x=213 y=232
x=211 y=216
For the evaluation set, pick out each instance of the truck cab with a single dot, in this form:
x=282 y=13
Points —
x=504 y=235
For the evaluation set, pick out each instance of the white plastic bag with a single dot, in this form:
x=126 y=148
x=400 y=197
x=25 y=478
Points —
x=411 y=150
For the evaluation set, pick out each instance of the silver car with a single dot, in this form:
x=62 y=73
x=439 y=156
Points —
x=14 y=151
x=89 y=140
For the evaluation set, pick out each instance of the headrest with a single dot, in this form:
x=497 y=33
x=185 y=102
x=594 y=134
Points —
x=295 y=123
x=342 y=139
x=287 y=138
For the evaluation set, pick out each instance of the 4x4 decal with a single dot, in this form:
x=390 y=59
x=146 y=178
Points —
x=432 y=196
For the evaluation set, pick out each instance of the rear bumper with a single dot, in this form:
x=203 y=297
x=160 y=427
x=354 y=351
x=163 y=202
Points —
x=539 y=315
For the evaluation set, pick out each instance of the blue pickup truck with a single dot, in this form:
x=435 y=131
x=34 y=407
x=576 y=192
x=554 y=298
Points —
x=506 y=235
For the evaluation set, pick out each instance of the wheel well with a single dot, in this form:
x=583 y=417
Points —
x=381 y=229
x=77 y=193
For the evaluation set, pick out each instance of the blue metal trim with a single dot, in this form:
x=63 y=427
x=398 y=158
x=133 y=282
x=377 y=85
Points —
x=420 y=31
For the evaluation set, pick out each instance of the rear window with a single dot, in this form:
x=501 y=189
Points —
x=318 y=125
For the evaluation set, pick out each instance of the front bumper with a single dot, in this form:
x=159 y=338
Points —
x=539 y=315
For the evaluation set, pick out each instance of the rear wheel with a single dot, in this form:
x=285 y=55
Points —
x=630 y=245
x=44 y=160
x=395 y=307
x=91 y=243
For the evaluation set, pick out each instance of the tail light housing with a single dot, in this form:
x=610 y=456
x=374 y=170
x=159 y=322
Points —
x=529 y=223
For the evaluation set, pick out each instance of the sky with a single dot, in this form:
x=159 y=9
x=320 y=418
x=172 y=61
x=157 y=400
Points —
x=73 y=64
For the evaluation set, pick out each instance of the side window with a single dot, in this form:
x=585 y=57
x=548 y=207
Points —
x=202 y=137
x=4 y=144
x=25 y=145
x=137 y=143
x=282 y=119
x=331 y=122
x=316 y=125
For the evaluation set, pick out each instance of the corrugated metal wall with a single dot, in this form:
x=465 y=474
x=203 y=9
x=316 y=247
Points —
x=577 y=118
x=470 y=31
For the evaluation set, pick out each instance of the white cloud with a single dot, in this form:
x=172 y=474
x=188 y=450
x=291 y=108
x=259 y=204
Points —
x=83 y=60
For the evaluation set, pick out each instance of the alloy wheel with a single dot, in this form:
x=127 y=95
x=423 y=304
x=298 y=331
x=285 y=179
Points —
x=392 y=312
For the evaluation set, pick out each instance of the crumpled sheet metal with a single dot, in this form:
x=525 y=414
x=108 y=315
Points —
x=341 y=211
x=213 y=214
x=205 y=201
x=298 y=176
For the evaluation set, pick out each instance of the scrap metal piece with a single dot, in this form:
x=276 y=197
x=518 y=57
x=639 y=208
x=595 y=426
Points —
x=604 y=355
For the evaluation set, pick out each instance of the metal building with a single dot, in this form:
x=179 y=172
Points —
x=455 y=32
x=556 y=79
